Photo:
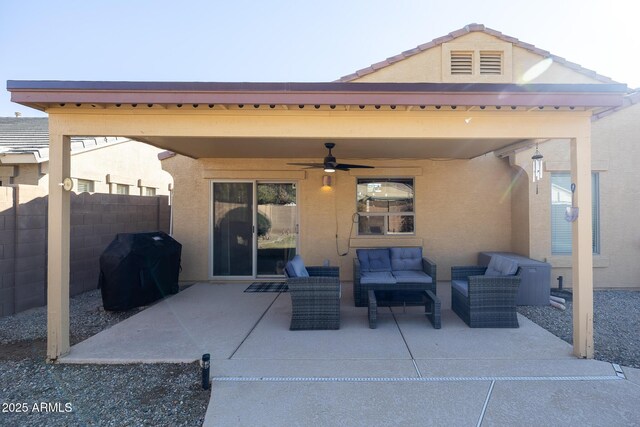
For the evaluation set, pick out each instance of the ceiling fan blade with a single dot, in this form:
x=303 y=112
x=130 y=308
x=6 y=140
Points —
x=346 y=166
x=312 y=165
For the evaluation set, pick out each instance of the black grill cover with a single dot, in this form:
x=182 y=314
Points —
x=137 y=269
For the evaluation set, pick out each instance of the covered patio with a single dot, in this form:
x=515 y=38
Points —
x=291 y=121
x=349 y=376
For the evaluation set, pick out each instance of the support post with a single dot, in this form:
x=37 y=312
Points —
x=582 y=248
x=58 y=247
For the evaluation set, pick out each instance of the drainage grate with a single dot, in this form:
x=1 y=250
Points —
x=409 y=379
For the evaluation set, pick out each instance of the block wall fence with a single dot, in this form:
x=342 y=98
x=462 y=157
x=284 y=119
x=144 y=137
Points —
x=95 y=221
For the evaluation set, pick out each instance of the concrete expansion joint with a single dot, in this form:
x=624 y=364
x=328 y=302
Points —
x=413 y=379
x=486 y=403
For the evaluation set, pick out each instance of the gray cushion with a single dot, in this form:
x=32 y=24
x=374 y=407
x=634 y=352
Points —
x=374 y=259
x=298 y=267
x=461 y=286
x=377 y=278
x=289 y=270
x=501 y=266
x=406 y=259
x=411 y=276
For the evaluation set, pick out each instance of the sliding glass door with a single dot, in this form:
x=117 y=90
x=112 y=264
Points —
x=233 y=229
x=255 y=228
x=277 y=227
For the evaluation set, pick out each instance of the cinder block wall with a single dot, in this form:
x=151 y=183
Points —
x=7 y=249
x=95 y=220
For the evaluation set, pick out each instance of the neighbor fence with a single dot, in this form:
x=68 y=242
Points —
x=95 y=221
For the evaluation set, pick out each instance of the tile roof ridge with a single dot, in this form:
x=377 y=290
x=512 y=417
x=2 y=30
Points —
x=469 y=28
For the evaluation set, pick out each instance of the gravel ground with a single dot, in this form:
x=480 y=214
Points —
x=616 y=320
x=170 y=394
x=89 y=395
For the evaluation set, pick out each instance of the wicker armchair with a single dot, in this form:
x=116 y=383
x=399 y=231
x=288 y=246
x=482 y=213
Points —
x=315 y=300
x=490 y=301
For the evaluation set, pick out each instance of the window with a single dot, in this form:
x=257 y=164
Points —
x=122 y=189
x=149 y=191
x=85 y=186
x=385 y=206
x=561 y=235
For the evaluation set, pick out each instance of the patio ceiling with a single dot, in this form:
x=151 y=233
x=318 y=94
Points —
x=313 y=148
x=328 y=101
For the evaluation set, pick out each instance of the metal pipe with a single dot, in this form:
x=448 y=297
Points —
x=560 y=282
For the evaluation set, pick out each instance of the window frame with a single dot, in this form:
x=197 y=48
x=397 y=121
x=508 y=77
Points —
x=89 y=182
x=386 y=215
x=595 y=217
x=119 y=186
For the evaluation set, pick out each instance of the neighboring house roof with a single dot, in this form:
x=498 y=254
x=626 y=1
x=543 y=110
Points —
x=26 y=140
x=466 y=30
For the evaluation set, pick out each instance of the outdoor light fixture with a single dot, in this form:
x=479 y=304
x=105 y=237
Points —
x=571 y=213
x=537 y=167
x=326 y=181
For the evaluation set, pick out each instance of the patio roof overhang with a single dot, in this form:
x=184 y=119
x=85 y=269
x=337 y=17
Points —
x=205 y=119
x=311 y=101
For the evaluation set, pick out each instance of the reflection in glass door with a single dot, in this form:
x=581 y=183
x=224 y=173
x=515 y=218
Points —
x=233 y=228
x=277 y=235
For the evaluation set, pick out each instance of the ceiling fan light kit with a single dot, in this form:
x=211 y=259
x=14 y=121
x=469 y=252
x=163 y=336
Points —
x=330 y=164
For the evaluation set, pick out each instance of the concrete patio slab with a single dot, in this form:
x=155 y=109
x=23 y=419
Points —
x=457 y=341
x=272 y=339
x=265 y=374
x=202 y=319
x=575 y=403
x=632 y=374
x=345 y=403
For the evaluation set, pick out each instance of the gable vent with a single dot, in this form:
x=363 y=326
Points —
x=461 y=63
x=491 y=63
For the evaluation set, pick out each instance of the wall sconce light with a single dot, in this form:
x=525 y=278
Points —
x=326 y=181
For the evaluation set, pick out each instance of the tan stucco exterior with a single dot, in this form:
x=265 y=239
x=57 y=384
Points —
x=615 y=153
x=428 y=66
x=125 y=162
x=461 y=207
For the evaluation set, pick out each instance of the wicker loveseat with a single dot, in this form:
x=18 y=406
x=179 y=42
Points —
x=315 y=296
x=403 y=272
x=485 y=297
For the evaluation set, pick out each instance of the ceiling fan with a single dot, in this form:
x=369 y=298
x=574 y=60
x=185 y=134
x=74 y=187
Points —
x=330 y=163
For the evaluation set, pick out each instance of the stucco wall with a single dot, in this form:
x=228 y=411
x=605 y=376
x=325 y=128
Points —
x=26 y=174
x=462 y=207
x=126 y=163
x=615 y=151
x=427 y=66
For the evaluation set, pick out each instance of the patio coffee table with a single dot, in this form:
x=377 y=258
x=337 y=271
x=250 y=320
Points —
x=431 y=308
